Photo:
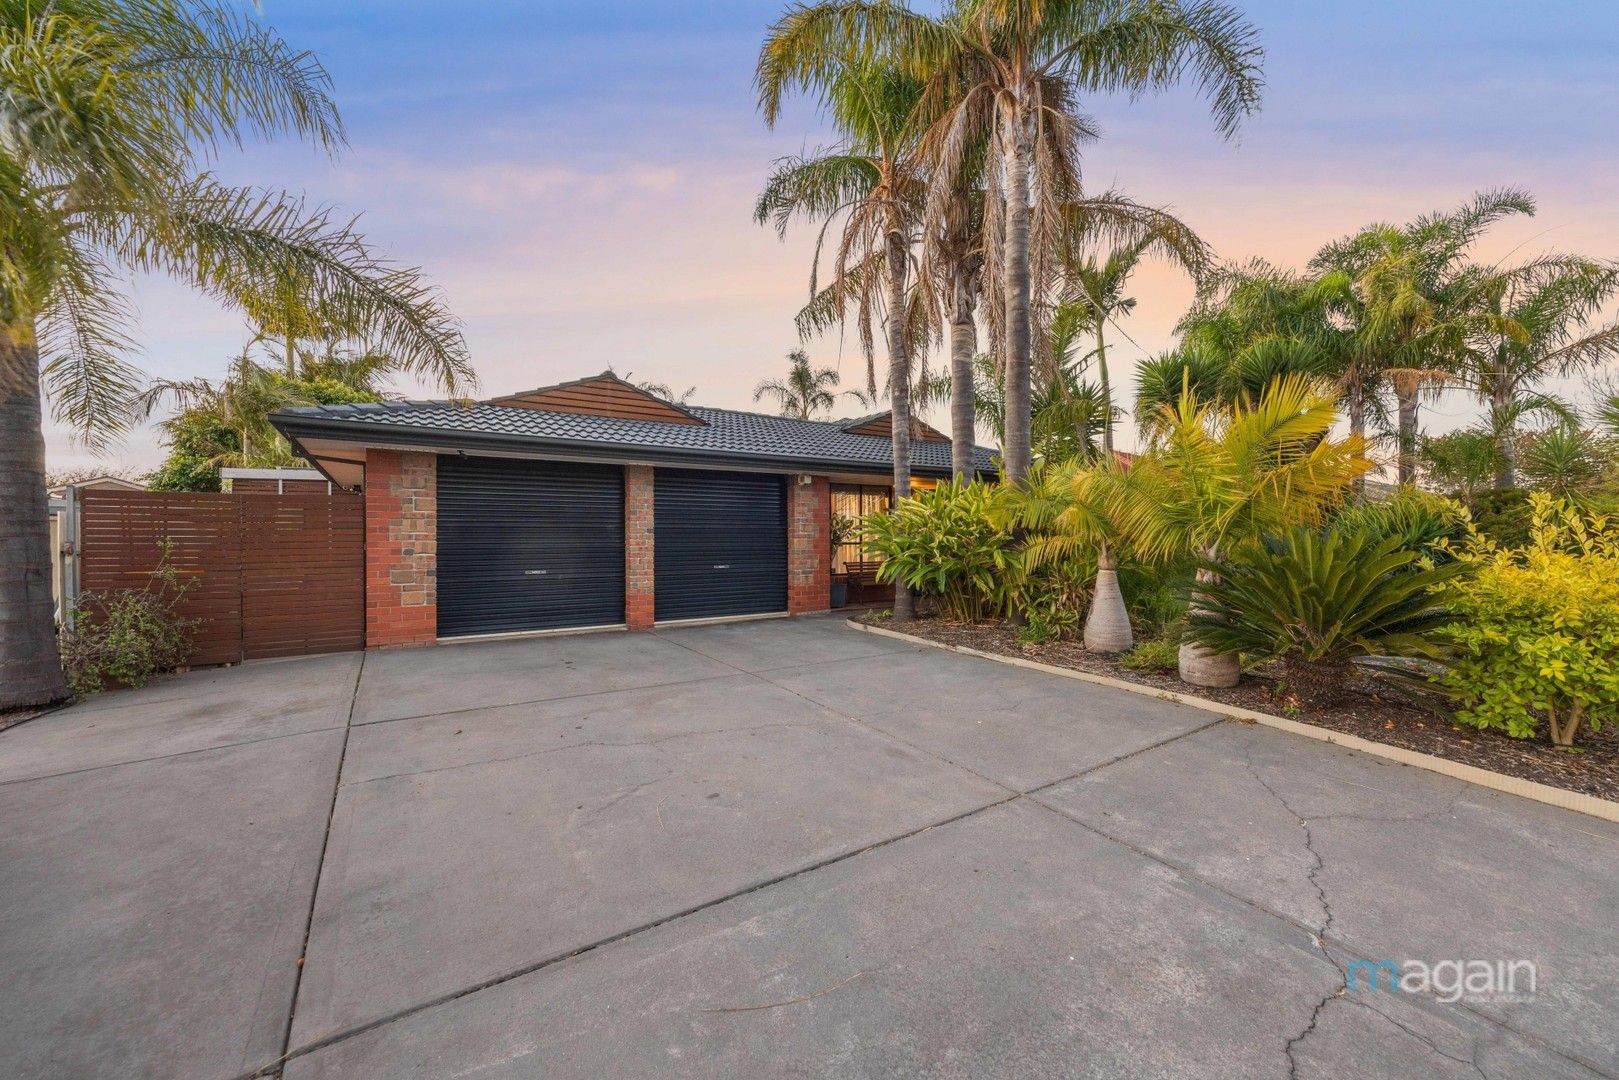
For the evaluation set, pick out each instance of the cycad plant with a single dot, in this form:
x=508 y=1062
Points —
x=111 y=115
x=1317 y=601
x=1215 y=478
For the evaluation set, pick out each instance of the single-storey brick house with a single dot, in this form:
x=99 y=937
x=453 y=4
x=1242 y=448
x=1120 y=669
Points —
x=595 y=504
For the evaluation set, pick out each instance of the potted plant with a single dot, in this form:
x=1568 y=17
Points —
x=843 y=527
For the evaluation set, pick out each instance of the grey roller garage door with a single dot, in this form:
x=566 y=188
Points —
x=720 y=544
x=528 y=545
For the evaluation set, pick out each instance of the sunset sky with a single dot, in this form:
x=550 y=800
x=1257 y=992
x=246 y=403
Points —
x=579 y=178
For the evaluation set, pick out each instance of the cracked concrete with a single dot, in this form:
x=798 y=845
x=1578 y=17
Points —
x=756 y=849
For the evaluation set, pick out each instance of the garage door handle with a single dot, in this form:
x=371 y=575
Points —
x=722 y=566
x=532 y=573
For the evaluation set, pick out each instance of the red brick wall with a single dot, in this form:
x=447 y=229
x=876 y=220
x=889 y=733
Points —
x=638 y=549
x=401 y=549
x=809 y=545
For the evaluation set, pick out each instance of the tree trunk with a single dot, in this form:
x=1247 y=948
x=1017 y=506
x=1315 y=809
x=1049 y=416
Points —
x=1317 y=685
x=1107 y=627
x=1200 y=667
x=1506 y=444
x=1107 y=393
x=1355 y=406
x=899 y=395
x=963 y=345
x=1018 y=452
x=1407 y=459
x=30 y=667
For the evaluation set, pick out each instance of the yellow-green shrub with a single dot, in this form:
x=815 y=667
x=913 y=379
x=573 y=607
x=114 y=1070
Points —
x=943 y=543
x=1537 y=629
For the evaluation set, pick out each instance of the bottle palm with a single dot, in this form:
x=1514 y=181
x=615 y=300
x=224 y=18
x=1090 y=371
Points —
x=1222 y=476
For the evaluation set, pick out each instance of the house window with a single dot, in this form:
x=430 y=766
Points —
x=857 y=501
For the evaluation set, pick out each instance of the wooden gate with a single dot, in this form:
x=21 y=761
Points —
x=269 y=575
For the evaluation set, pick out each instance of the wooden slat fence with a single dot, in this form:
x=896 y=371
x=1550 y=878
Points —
x=271 y=575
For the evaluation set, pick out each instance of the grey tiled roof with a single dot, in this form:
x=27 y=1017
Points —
x=727 y=433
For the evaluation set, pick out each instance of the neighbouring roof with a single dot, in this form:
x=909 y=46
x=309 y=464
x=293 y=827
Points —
x=882 y=424
x=117 y=482
x=600 y=395
x=701 y=435
x=270 y=474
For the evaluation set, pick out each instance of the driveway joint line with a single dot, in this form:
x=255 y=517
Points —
x=320 y=866
x=166 y=757
x=275 y=1067
x=573 y=746
x=542 y=700
x=1012 y=795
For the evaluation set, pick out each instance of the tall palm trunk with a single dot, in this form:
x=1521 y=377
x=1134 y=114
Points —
x=899 y=394
x=1506 y=443
x=1355 y=408
x=30 y=667
x=1406 y=461
x=963 y=345
x=1016 y=152
x=1107 y=393
x=1107 y=626
x=1198 y=666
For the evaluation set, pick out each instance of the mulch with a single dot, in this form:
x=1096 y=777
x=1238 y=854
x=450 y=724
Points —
x=1591 y=767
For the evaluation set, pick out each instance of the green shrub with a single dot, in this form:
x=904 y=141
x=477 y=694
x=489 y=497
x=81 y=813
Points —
x=1157 y=595
x=1161 y=655
x=1420 y=520
x=1502 y=516
x=197 y=441
x=129 y=635
x=1537 y=633
x=1318 y=601
x=943 y=543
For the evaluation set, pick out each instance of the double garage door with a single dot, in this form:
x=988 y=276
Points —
x=539 y=545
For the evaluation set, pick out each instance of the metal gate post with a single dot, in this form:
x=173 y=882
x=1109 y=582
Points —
x=67 y=556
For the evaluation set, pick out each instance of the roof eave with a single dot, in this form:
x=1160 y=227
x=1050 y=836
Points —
x=296 y=426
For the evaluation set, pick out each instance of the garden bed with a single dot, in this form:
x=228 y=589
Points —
x=1591 y=768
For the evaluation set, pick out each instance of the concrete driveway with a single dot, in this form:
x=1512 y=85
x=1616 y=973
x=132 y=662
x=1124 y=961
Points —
x=758 y=849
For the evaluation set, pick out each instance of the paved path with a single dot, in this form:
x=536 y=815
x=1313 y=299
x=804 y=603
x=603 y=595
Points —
x=763 y=848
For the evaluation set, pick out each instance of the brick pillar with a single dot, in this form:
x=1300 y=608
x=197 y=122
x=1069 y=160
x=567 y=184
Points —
x=638 y=547
x=809 y=545
x=401 y=549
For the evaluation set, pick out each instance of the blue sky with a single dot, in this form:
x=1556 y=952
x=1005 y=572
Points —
x=579 y=177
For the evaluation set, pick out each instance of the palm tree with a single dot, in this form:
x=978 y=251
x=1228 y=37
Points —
x=805 y=391
x=873 y=182
x=1096 y=289
x=953 y=253
x=1011 y=71
x=1537 y=326
x=1218 y=477
x=1063 y=510
x=1207 y=376
x=111 y=111
x=1413 y=302
x=1068 y=414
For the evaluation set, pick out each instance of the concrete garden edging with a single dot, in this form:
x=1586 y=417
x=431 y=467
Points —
x=1472 y=774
